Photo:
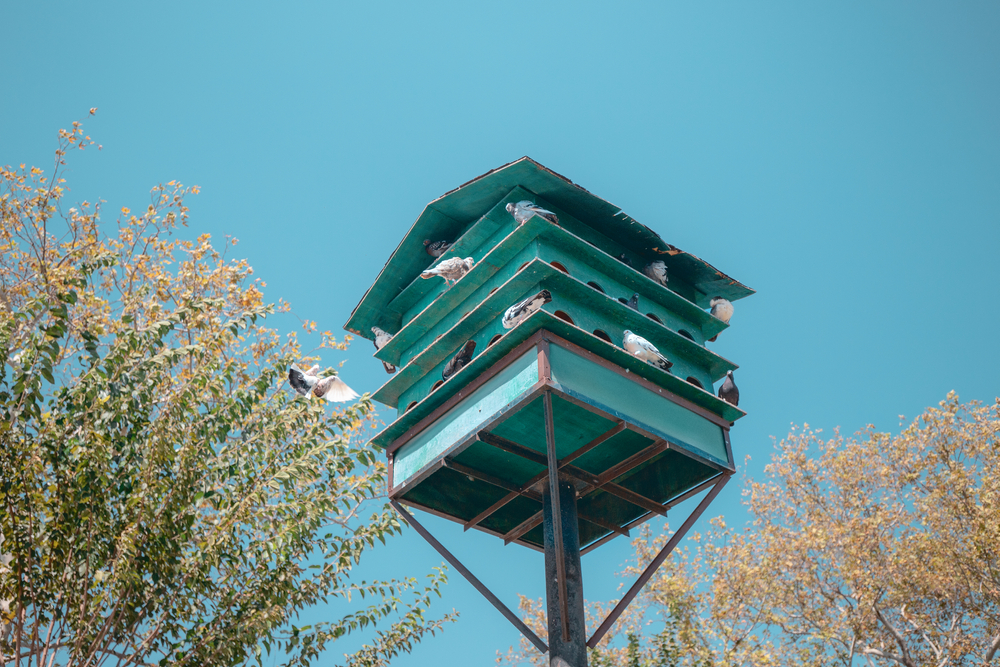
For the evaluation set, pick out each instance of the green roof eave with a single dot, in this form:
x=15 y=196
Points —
x=447 y=216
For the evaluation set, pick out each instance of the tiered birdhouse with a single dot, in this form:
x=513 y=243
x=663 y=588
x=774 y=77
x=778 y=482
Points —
x=634 y=438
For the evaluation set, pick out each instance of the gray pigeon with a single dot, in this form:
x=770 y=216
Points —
x=721 y=309
x=382 y=339
x=451 y=270
x=633 y=303
x=525 y=210
x=459 y=361
x=623 y=258
x=308 y=384
x=641 y=348
x=657 y=271
x=728 y=391
x=436 y=248
x=523 y=309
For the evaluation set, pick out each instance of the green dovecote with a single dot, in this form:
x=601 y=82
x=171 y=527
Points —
x=633 y=438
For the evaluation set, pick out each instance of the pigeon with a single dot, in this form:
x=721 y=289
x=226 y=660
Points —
x=633 y=303
x=522 y=310
x=721 y=309
x=639 y=347
x=729 y=392
x=657 y=271
x=451 y=270
x=459 y=361
x=623 y=258
x=308 y=384
x=436 y=248
x=382 y=338
x=525 y=210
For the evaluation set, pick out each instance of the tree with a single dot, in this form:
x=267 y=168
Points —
x=165 y=499
x=871 y=550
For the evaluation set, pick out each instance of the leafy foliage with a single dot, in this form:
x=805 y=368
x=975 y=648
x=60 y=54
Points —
x=873 y=550
x=165 y=500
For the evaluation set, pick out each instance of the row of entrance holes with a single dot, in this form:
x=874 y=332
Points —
x=565 y=316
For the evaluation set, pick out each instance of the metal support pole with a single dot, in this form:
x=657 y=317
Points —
x=564 y=591
x=557 y=543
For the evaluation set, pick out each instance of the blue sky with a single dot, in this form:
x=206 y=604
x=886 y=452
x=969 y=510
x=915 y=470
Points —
x=841 y=158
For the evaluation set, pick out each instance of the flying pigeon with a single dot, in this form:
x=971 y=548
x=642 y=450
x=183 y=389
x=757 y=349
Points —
x=451 y=270
x=633 y=303
x=522 y=310
x=657 y=271
x=721 y=309
x=308 y=384
x=382 y=338
x=459 y=361
x=639 y=347
x=623 y=258
x=436 y=248
x=525 y=210
x=729 y=392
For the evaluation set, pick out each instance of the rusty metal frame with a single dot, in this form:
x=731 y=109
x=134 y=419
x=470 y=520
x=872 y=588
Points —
x=472 y=579
x=656 y=562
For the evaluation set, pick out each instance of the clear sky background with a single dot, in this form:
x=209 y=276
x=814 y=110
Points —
x=842 y=158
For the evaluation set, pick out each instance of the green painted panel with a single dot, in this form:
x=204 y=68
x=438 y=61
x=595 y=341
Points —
x=497 y=462
x=467 y=416
x=613 y=451
x=586 y=379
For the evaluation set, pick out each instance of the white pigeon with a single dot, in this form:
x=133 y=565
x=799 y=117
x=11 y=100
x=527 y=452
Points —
x=657 y=271
x=641 y=348
x=721 y=309
x=523 y=309
x=382 y=339
x=308 y=384
x=525 y=210
x=451 y=270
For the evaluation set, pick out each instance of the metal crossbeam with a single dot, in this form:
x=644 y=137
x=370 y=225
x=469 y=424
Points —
x=472 y=579
x=655 y=563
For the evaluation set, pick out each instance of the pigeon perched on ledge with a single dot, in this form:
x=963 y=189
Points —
x=657 y=271
x=523 y=309
x=308 y=384
x=641 y=348
x=459 y=361
x=729 y=391
x=436 y=248
x=633 y=303
x=623 y=258
x=382 y=339
x=451 y=270
x=721 y=309
x=525 y=210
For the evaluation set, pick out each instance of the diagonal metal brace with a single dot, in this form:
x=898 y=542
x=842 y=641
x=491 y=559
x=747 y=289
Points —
x=656 y=562
x=478 y=585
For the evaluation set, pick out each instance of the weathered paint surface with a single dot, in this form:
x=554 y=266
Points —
x=606 y=389
x=466 y=417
